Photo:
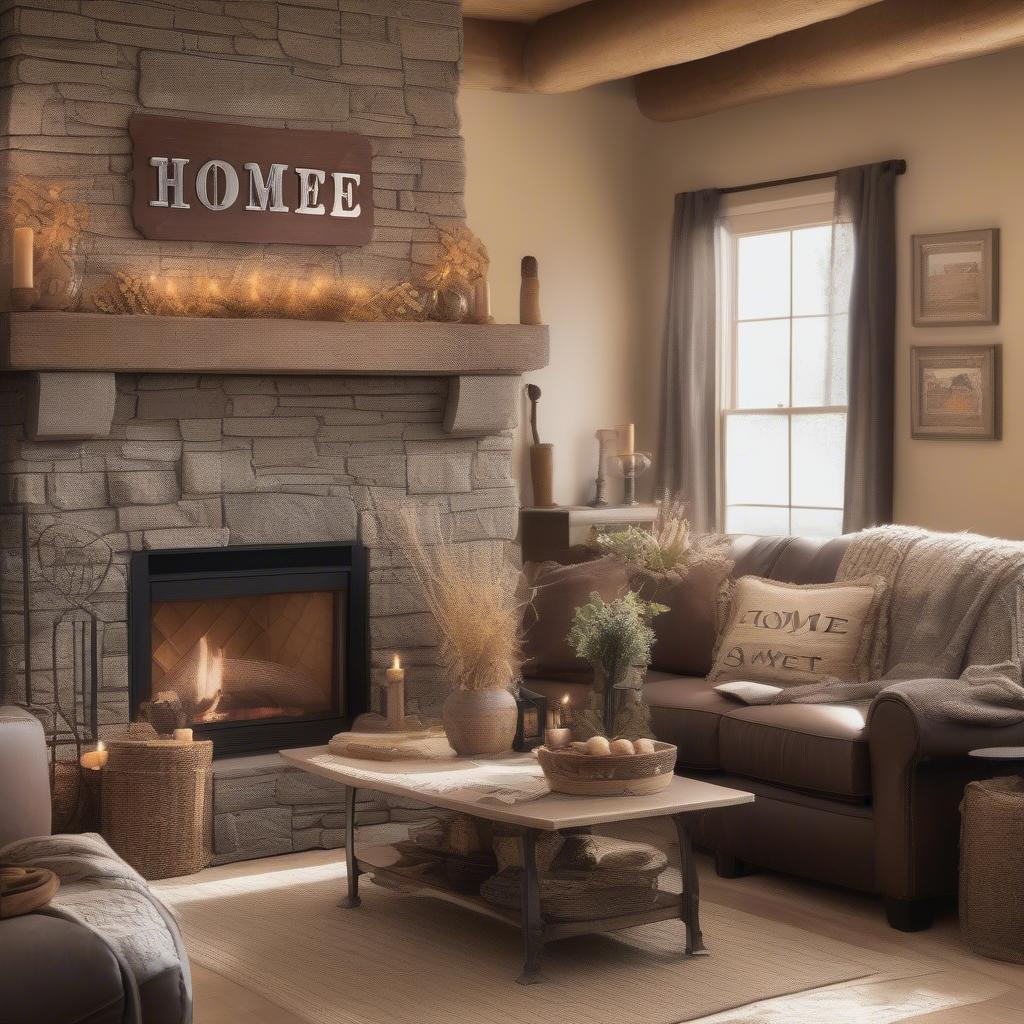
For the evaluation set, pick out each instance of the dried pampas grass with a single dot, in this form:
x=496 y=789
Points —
x=476 y=595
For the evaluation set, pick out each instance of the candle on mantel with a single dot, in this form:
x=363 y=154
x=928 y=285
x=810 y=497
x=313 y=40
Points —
x=396 y=694
x=95 y=759
x=482 y=301
x=627 y=439
x=183 y=735
x=23 y=272
x=559 y=734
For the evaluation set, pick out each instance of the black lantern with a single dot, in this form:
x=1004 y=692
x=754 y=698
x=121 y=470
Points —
x=531 y=719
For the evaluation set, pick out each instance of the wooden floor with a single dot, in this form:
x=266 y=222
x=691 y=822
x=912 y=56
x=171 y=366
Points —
x=958 y=988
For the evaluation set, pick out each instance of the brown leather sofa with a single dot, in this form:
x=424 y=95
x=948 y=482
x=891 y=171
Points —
x=53 y=969
x=874 y=809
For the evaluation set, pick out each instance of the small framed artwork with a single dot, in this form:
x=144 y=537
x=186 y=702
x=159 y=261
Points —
x=956 y=392
x=956 y=278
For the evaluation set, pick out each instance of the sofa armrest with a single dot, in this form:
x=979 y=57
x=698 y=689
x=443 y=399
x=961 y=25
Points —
x=919 y=767
x=926 y=736
x=24 y=777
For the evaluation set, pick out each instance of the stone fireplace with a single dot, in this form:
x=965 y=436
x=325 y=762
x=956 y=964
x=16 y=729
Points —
x=135 y=450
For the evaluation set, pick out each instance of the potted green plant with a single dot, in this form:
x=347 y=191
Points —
x=616 y=638
x=476 y=596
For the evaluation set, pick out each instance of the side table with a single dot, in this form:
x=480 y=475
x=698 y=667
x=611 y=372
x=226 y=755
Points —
x=1011 y=757
x=156 y=806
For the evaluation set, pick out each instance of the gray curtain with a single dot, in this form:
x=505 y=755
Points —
x=687 y=465
x=864 y=254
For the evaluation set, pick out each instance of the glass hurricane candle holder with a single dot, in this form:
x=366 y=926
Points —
x=631 y=466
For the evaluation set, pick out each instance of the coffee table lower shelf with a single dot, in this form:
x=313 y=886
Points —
x=377 y=860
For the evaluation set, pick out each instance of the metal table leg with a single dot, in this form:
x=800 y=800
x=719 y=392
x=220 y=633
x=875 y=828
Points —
x=530 y=922
x=689 y=901
x=351 y=867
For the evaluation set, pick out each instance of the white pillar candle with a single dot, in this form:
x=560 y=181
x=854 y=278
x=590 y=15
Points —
x=482 y=301
x=627 y=439
x=183 y=735
x=23 y=272
x=396 y=694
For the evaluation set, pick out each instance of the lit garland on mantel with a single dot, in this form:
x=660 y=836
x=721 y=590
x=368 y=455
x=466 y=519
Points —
x=461 y=261
x=250 y=290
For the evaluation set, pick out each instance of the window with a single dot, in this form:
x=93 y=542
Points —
x=783 y=359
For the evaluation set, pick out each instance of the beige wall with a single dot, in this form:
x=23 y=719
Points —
x=959 y=129
x=557 y=177
x=585 y=184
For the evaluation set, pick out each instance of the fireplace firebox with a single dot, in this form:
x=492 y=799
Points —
x=254 y=648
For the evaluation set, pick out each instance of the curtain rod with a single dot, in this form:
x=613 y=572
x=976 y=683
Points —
x=900 y=166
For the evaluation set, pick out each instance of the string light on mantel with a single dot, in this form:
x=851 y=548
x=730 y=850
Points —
x=461 y=263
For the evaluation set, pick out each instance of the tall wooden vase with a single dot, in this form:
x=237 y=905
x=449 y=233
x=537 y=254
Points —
x=542 y=474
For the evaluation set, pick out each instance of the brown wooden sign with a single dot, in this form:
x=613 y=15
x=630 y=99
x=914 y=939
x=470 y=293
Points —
x=206 y=181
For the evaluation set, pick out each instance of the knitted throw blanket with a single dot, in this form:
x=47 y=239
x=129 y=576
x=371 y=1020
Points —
x=101 y=892
x=938 y=587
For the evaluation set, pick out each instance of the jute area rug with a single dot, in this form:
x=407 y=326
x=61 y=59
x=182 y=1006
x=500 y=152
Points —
x=403 y=959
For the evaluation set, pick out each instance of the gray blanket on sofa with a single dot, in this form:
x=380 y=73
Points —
x=101 y=892
x=945 y=593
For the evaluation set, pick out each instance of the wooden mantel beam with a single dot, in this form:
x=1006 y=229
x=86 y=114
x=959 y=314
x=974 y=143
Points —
x=605 y=40
x=880 y=41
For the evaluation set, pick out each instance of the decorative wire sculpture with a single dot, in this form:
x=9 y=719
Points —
x=74 y=562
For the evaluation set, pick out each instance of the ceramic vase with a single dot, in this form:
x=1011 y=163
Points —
x=480 y=721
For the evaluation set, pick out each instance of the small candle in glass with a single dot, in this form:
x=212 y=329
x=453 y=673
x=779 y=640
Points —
x=96 y=759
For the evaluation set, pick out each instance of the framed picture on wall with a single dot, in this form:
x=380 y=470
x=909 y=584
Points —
x=956 y=392
x=956 y=278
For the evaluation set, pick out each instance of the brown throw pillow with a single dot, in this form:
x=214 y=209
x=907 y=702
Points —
x=790 y=635
x=685 y=634
x=559 y=591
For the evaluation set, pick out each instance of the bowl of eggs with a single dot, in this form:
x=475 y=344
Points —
x=609 y=767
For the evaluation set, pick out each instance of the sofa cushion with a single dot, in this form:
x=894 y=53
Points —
x=687 y=711
x=819 y=748
x=685 y=634
x=558 y=591
x=57 y=970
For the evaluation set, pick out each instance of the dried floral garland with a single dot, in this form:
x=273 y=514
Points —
x=58 y=221
x=461 y=259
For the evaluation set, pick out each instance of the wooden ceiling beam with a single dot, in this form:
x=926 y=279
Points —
x=492 y=55
x=605 y=40
x=881 y=41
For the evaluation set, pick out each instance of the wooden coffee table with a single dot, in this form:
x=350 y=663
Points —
x=682 y=801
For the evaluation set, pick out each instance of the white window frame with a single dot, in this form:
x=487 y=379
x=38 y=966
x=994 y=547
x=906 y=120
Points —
x=785 y=208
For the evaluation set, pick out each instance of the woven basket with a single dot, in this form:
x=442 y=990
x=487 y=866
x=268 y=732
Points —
x=156 y=806
x=992 y=868
x=569 y=771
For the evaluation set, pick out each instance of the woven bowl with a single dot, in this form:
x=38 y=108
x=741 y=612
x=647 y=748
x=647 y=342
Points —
x=569 y=771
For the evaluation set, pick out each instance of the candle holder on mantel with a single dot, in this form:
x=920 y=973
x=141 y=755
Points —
x=606 y=437
x=631 y=466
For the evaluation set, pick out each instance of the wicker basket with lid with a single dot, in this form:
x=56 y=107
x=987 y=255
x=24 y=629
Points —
x=156 y=806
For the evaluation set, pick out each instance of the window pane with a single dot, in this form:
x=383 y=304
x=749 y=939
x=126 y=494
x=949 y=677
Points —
x=757 y=460
x=762 y=277
x=819 y=361
x=756 y=519
x=819 y=443
x=812 y=260
x=762 y=364
x=817 y=522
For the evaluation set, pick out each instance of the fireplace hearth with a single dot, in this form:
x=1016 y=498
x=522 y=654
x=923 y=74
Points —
x=254 y=648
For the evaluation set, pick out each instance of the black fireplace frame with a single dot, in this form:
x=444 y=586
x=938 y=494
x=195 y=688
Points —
x=184 y=573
